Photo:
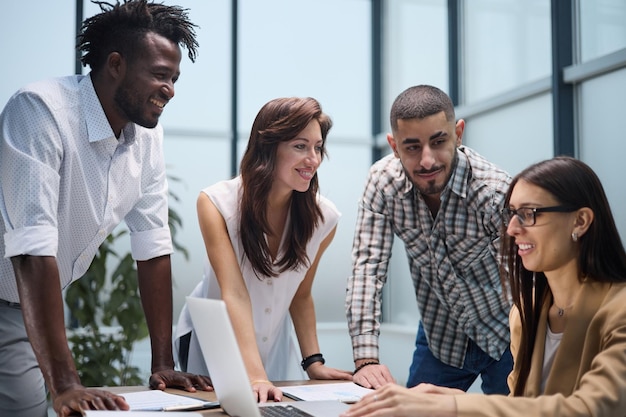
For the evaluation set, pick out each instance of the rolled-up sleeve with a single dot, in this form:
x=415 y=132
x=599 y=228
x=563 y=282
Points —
x=30 y=157
x=150 y=234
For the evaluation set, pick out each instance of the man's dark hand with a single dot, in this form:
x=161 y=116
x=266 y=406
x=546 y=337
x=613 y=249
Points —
x=174 y=379
x=79 y=398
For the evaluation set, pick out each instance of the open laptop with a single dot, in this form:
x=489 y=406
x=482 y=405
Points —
x=228 y=373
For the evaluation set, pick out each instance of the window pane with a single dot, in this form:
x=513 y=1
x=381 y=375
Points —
x=602 y=103
x=507 y=43
x=416 y=46
x=317 y=48
x=197 y=162
x=514 y=136
x=203 y=100
x=37 y=43
x=602 y=27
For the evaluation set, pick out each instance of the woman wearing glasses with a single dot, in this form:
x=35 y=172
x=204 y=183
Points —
x=566 y=270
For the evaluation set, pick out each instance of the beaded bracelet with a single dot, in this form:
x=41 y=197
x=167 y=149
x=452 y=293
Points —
x=364 y=364
x=310 y=360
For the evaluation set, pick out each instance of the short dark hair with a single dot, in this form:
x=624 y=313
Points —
x=419 y=102
x=121 y=27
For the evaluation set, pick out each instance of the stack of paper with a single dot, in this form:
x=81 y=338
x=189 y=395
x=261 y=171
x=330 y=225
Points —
x=97 y=413
x=347 y=392
x=142 y=402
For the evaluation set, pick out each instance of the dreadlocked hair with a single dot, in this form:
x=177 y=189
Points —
x=121 y=27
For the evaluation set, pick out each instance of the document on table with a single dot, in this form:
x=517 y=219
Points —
x=157 y=400
x=100 y=413
x=347 y=392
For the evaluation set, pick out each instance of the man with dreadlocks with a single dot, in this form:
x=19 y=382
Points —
x=77 y=155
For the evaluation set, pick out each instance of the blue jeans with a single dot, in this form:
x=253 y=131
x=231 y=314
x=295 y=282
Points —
x=427 y=368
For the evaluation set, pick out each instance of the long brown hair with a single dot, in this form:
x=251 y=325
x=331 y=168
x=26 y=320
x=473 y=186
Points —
x=279 y=120
x=601 y=252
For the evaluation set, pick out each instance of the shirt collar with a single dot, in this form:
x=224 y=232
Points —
x=98 y=127
x=458 y=183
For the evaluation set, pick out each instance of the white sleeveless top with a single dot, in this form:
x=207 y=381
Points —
x=270 y=296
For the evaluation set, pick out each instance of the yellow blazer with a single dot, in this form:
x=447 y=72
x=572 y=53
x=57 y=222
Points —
x=588 y=376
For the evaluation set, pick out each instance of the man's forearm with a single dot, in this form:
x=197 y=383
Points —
x=155 y=286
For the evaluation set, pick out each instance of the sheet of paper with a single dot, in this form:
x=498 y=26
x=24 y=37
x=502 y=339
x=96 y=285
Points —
x=157 y=400
x=347 y=392
x=98 y=413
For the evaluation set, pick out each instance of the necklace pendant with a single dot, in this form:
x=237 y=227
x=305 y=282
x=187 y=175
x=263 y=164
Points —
x=561 y=312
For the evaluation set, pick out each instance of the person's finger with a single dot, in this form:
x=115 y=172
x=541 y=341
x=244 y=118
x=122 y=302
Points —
x=188 y=382
x=366 y=380
x=121 y=403
x=156 y=382
x=83 y=405
x=202 y=382
x=262 y=394
x=109 y=403
x=97 y=404
x=277 y=394
x=374 y=376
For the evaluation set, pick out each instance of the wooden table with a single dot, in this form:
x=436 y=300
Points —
x=210 y=396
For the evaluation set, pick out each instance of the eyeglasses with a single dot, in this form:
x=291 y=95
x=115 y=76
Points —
x=528 y=215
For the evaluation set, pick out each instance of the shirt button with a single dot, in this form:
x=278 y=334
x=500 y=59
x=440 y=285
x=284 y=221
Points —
x=264 y=339
x=268 y=310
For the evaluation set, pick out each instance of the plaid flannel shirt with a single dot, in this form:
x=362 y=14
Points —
x=452 y=258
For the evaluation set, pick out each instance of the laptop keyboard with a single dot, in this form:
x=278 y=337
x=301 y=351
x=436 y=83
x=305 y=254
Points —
x=283 y=411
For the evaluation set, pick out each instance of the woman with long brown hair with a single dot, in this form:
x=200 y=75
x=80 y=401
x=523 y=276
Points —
x=265 y=232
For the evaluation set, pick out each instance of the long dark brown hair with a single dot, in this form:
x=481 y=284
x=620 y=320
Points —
x=280 y=120
x=601 y=252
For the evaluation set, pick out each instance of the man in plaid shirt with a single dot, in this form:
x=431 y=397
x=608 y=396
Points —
x=444 y=201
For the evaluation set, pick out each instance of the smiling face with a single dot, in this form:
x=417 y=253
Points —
x=148 y=84
x=427 y=150
x=547 y=246
x=297 y=160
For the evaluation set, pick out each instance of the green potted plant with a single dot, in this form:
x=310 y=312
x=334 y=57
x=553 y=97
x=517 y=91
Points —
x=106 y=317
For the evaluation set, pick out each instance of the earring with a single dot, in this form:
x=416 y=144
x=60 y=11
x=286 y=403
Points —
x=574 y=236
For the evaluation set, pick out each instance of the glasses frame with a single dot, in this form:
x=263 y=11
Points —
x=507 y=211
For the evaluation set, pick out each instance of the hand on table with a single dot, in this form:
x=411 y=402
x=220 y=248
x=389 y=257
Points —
x=264 y=390
x=170 y=378
x=396 y=401
x=373 y=376
x=78 y=398
x=319 y=371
